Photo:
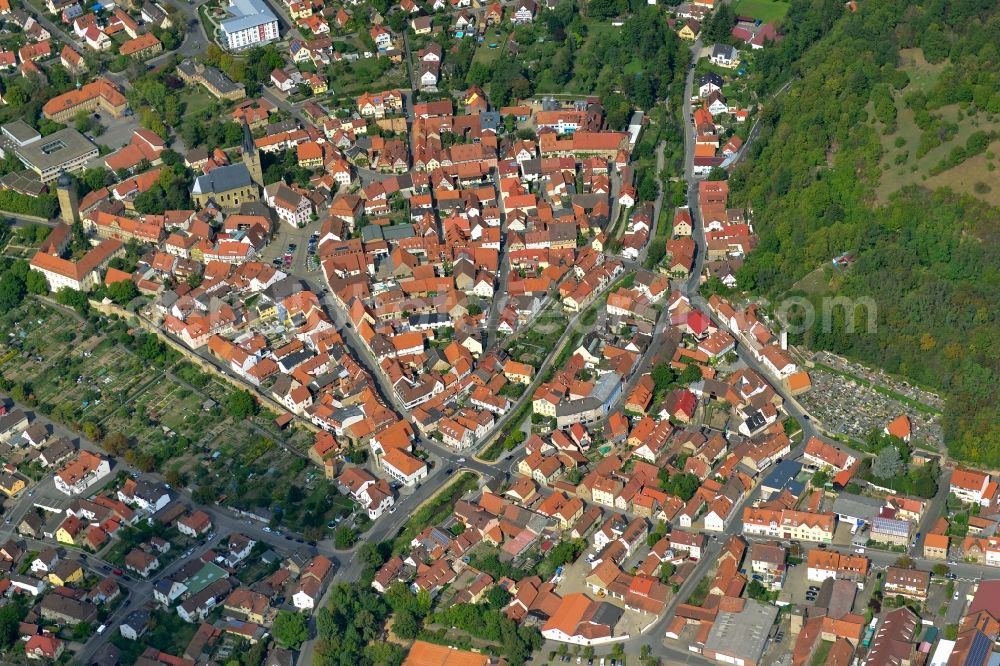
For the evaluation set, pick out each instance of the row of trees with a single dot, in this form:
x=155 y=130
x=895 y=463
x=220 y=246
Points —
x=43 y=206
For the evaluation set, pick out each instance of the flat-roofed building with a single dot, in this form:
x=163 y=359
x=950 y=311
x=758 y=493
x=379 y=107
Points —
x=66 y=150
x=740 y=637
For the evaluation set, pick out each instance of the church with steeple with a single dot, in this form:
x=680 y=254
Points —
x=251 y=156
x=231 y=186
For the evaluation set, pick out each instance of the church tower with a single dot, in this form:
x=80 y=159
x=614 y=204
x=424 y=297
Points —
x=251 y=156
x=69 y=207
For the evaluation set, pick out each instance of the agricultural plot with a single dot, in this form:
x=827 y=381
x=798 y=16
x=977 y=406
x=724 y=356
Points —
x=73 y=376
x=174 y=418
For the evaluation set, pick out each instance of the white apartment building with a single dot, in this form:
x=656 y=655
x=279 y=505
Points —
x=252 y=24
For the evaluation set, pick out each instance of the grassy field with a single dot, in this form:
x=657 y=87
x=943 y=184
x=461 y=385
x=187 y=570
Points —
x=973 y=176
x=922 y=73
x=976 y=176
x=484 y=53
x=196 y=98
x=763 y=10
x=916 y=171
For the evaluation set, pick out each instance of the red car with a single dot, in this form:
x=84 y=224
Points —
x=117 y=572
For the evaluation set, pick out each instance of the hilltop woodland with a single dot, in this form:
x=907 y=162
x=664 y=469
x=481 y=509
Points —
x=929 y=260
x=568 y=51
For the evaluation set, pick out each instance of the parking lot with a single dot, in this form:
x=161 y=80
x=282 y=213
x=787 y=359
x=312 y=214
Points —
x=796 y=586
x=117 y=133
x=293 y=250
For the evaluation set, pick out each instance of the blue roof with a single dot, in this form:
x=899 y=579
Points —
x=782 y=477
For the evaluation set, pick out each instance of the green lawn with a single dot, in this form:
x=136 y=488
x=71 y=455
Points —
x=763 y=10
x=485 y=54
x=196 y=98
x=633 y=67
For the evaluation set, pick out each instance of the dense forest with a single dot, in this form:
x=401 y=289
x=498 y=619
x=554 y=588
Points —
x=929 y=260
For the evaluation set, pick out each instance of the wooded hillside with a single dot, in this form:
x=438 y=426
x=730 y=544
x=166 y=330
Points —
x=930 y=260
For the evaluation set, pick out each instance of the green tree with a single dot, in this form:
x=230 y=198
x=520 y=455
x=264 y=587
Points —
x=820 y=478
x=405 y=625
x=717 y=173
x=683 y=485
x=16 y=97
x=290 y=629
x=935 y=44
x=373 y=555
x=497 y=598
x=11 y=616
x=116 y=443
x=887 y=464
x=690 y=374
x=757 y=591
x=719 y=25
x=241 y=404
x=36 y=283
x=663 y=376
x=344 y=538
x=12 y=291
x=204 y=495
x=924 y=486
x=384 y=654
x=91 y=430
x=82 y=121
x=122 y=292
x=82 y=630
